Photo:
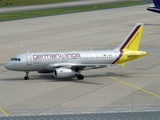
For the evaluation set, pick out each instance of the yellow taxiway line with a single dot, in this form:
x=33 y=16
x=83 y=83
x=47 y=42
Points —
x=4 y=112
x=156 y=75
x=134 y=86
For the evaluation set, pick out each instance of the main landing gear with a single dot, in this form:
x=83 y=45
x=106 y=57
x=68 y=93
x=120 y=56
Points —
x=26 y=77
x=80 y=77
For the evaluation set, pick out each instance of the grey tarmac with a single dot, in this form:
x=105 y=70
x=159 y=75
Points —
x=134 y=87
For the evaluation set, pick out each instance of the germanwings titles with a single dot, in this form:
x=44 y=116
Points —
x=71 y=63
x=51 y=56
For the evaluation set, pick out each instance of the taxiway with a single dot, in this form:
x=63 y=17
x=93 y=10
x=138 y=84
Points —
x=134 y=87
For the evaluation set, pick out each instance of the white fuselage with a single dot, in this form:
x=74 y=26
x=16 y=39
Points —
x=39 y=61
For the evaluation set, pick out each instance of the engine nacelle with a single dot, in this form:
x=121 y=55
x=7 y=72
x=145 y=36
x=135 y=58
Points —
x=64 y=73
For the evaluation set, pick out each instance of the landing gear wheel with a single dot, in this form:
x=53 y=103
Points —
x=80 y=77
x=26 y=78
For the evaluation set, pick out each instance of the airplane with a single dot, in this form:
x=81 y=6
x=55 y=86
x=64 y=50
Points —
x=65 y=64
x=155 y=8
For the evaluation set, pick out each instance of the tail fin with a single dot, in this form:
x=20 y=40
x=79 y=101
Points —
x=156 y=7
x=156 y=3
x=132 y=41
x=129 y=47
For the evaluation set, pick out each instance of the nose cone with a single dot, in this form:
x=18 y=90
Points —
x=7 y=65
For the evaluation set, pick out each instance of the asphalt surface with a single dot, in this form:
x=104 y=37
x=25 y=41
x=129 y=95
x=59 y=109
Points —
x=131 y=88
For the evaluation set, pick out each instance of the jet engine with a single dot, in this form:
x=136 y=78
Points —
x=64 y=73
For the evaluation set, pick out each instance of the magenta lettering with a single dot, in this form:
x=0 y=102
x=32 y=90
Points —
x=51 y=56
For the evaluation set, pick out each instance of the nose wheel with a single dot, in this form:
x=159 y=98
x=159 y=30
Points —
x=26 y=77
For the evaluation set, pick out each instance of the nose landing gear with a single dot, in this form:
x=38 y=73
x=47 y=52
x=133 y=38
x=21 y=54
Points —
x=26 y=77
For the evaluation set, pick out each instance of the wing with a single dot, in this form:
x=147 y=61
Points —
x=77 y=66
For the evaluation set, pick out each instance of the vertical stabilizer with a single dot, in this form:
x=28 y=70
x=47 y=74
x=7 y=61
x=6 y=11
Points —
x=128 y=49
x=132 y=41
x=156 y=7
x=156 y=3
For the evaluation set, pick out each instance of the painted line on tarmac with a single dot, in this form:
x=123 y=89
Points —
x=143 y=75
x=4 y=112
x=135 y=86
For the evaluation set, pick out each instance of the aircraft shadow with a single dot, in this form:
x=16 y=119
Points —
x=146 y=24
x=50 y=78
x=108 y=74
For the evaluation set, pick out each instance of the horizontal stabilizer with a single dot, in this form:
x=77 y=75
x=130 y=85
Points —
x=136 y=54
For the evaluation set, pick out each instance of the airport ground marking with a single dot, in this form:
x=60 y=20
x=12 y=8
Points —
x=156 y=75
x=135 y=86
x=4 y=112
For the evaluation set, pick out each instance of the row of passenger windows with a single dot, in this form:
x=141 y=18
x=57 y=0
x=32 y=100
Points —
x=15 y=59
x=75 y=58
x=18 y=59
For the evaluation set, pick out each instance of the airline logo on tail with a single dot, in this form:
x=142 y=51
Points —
x=129 y=47
x=155 y=8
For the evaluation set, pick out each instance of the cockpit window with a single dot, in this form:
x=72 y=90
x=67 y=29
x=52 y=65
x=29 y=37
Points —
x=15 y=59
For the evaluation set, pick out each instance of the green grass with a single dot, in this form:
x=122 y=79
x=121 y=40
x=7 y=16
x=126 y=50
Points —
x=8 y=3
x=35 y=13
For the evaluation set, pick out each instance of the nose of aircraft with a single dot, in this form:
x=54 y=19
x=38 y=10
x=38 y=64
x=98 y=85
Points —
x=7 y=65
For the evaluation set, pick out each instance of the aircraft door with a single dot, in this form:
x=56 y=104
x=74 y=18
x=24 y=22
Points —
x=29 y=60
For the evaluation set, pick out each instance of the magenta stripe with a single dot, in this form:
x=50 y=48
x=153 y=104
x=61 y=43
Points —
x=120 y=55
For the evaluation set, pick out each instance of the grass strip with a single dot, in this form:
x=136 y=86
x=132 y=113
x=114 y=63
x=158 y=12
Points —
x=9 y=3
x=53 y=11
